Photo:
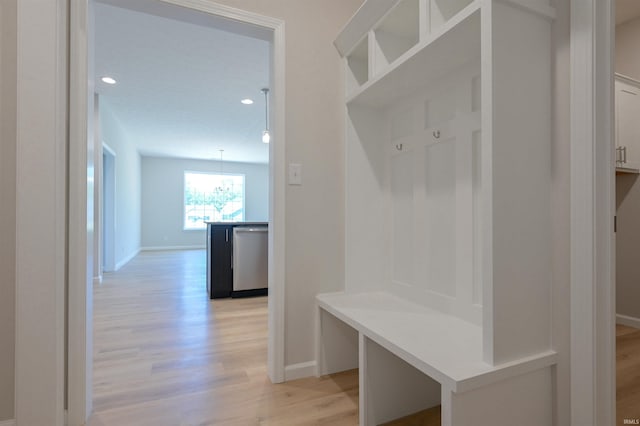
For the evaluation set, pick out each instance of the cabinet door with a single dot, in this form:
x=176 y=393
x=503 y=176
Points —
x=627 y=124
x=221 y=273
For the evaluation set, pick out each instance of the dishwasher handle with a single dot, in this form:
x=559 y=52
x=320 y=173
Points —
x=240 y=230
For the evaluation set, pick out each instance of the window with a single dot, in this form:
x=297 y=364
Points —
x=212 y=197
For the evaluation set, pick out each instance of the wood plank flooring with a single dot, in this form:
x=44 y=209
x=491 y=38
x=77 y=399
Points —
x=430 y=417
x=165 y=355
x=628 y=374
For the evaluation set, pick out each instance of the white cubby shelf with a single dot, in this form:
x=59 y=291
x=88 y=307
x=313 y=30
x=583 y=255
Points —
x=447 y=295
x=447 y=349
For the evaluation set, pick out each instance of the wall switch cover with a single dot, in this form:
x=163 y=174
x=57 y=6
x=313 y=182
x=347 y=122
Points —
x=295 y=174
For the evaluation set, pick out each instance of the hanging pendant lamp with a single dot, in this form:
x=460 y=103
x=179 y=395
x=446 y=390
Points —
x=266 y=136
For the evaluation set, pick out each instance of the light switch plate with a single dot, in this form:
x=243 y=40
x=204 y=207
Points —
x=295 y=174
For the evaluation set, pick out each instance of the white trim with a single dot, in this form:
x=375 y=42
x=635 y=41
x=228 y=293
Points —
x=99 y=156
x=105 y=231
x=167 y=248
x=41 y=117
x=543 y=10
x=79 y=323
x=277 y=207
x=107 y=148
x=628 y=321
x=299 y=371
x=127 y=259
x=8 y=423
x=228 y=12
x=592 y=206
x=80 y=296
x=627 y=79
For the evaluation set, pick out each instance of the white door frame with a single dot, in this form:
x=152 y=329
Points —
x=593 y=390
x=107 y=211
x=80 y=334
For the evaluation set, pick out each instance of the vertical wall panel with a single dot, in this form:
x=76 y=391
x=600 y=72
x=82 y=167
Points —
x=403 y=216
x=477 y=217
x=441 y=227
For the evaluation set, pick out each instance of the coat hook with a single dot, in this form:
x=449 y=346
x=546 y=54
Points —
x=436 y=134
x=399 y=147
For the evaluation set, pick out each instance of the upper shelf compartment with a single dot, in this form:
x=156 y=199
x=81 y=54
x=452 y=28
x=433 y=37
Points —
x=440 y=11
x=453 y=43
x=398 y=32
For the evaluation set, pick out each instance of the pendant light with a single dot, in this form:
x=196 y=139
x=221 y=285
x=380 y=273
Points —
x=220 y=187
x=266 y=136
x=221 y=194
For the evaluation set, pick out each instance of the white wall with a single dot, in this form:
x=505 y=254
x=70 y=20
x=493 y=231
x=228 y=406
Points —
x=163 y=198
x=8 y=205
x=128 y=210
x=627 y=62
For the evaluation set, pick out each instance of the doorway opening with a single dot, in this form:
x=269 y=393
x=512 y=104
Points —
x=167 y=116
x=626 y=67
x=230 y=20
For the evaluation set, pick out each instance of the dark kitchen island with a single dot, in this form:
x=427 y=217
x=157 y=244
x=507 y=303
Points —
x=220 y=259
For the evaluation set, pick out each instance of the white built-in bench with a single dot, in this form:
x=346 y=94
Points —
x=389 y=338
x=447 y=199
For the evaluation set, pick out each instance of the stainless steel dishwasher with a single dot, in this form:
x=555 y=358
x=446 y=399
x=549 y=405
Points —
x=250 y=260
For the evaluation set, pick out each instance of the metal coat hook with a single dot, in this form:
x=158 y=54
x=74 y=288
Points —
x=399 y=147
x=436 y=134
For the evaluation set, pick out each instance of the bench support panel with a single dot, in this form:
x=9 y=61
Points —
x=524 y=400
x=389 y=387
x=338 y=345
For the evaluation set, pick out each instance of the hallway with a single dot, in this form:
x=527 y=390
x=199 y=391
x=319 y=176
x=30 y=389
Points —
x=165 y=355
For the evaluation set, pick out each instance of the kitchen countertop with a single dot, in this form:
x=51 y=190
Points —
x=238 y=223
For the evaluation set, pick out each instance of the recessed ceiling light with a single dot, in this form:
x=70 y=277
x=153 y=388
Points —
x=108 y=80
x=247 y=101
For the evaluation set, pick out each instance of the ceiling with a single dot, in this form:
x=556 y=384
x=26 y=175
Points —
x=627 y=10
x=180 y=81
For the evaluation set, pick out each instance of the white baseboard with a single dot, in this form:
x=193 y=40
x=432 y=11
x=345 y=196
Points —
x=127 y=259
x=7 y=423
x=299 y=371
x=628 y=321
x=167 y=248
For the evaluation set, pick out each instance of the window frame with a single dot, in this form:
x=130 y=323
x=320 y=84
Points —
x=200 y=172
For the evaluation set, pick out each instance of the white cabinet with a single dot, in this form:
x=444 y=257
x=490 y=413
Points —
x=448 y=179
x=627 y=119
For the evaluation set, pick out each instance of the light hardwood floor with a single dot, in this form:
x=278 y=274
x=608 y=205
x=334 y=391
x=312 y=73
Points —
x=628 y=374
x=165 y=355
